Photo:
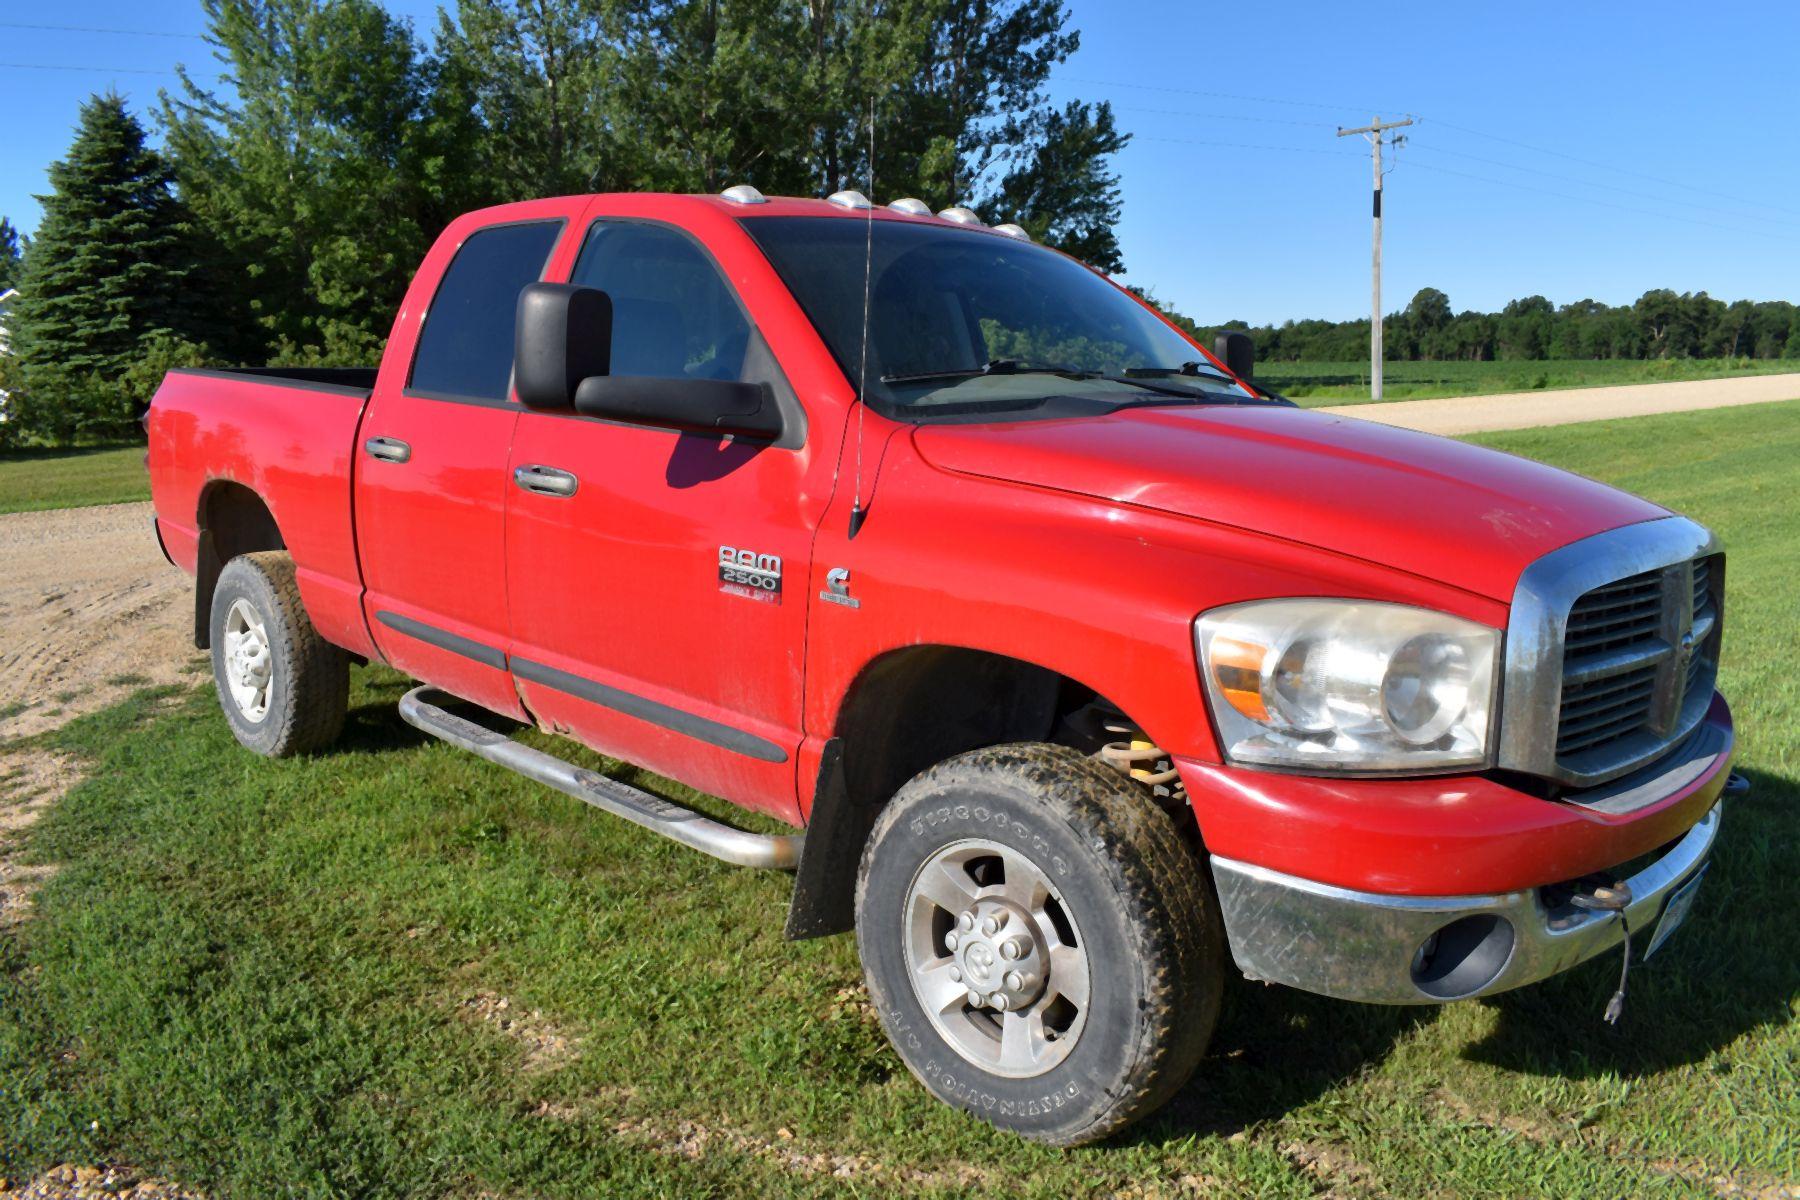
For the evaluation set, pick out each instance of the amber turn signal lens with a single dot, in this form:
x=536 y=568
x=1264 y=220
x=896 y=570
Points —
x=1237 y=669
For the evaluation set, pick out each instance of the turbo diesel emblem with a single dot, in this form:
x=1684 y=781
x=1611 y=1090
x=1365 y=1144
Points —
x=750 y=575
x=837 y=589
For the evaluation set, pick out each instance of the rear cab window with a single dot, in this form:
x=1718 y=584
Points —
x=466 y=347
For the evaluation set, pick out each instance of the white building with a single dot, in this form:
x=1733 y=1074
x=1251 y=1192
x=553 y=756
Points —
x=7 y=299
x=6 y=302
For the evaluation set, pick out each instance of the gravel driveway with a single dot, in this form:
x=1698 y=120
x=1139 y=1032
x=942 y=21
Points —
x=89 y=611
x=1567 y=406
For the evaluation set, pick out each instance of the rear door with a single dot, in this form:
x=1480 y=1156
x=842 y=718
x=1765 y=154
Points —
x=659 y=600
x=431 y=482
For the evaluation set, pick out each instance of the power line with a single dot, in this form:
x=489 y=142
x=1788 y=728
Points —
x=97 y=29
x=1494 y=162
x=1603 y=203
x=1145 y=137
x=101 y=70
x=1175 y=112
x=1588 y=162
x=1437 y=122
x=1146 y=87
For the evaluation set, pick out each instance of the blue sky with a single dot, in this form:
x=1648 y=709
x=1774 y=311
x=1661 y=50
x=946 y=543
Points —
x=1573 y=150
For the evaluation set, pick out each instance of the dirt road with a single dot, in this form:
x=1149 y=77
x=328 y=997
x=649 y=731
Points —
x=1523 y=410
x=89 y=611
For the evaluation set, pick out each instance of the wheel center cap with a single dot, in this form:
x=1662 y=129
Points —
x=1000 y=954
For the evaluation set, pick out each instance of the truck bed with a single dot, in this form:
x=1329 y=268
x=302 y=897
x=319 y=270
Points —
x=285 y=439
x=355 y=380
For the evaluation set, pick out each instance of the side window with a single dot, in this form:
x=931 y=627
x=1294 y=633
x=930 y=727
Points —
x=466 y=347
x=673 y=315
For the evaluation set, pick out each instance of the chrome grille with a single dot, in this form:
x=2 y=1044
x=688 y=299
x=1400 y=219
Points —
x=1611 y=651
x=1635 y=654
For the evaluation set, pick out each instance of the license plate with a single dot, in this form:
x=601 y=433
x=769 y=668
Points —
x=1675 y=912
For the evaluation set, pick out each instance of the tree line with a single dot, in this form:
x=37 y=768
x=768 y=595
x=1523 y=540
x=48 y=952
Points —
x=280 y=219
x=1659 y=324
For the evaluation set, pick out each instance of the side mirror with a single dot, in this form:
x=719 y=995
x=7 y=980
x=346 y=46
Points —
x=693 y=405
x=1237 y=352
x=563 y=335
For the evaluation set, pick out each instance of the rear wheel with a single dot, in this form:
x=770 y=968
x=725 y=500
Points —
x=283 y=687
x=1040 y=942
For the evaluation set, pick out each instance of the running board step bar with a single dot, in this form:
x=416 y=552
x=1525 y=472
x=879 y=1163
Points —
x=419 y=709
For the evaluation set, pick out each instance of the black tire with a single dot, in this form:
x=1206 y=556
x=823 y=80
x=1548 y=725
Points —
x=308 y=686
x=1135 y=889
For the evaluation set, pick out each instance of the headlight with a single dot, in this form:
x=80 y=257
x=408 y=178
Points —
x=1348 y=685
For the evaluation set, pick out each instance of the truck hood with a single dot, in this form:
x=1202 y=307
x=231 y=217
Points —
x=1437 y=508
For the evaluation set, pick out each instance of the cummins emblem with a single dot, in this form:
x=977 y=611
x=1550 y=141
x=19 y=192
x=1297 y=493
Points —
x=750 y=575
x=837 y=589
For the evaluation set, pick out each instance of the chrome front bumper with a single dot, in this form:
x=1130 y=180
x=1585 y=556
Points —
x=1367 y=946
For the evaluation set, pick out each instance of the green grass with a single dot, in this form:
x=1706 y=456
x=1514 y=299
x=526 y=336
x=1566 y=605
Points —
x=1316 y=383
x=37 y=479
x=257 y=978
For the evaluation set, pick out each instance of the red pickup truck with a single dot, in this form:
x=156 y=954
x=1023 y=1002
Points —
x=1089 y=668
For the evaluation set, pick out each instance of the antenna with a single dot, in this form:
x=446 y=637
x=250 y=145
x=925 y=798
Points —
x=858 y=514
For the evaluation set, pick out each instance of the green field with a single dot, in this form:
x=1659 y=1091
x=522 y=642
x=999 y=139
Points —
x=38 y=479
x=1315 y=383
x=286 y=978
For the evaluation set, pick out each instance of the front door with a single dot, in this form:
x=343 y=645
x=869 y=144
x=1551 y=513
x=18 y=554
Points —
x=658 y=579
x=431 y=482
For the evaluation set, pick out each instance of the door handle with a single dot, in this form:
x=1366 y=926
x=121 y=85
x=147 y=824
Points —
x=545 y=481
x=388 y=449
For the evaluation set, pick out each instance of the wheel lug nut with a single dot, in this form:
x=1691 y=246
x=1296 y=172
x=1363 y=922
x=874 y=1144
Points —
x=998 y=1000
x=955 y=974
x=950 y=941
x=1013 y=948
x=974 y=997
x=966 y=922
x=990 y=926
x=1015 y=981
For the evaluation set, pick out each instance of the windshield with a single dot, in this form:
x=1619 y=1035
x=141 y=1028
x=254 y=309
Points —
x=963 y=322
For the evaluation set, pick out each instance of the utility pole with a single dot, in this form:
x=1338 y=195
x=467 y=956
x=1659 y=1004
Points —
x=1374 y=133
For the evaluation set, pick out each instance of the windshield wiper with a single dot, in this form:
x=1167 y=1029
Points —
x=999 y=366
x=1193 y=369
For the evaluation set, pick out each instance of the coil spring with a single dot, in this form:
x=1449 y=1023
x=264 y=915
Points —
x=1140 y=758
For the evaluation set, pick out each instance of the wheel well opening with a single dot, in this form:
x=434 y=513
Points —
x=915 y=707
x=233 y=520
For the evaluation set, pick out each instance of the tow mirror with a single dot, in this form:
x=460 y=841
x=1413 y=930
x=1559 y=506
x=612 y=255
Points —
x=1236 y=351
x=694 y=405
x=563 y=335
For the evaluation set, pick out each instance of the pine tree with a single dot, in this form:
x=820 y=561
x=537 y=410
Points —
x=12 y=254
x=105 y=276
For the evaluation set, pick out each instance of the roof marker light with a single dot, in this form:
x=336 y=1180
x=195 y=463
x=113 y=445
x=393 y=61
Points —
x=911 y=207
x=1013 y=231
x=848 y=199
x=743 y=193
x=960 y=216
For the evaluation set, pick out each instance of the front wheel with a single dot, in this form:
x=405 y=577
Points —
x=1040 y=942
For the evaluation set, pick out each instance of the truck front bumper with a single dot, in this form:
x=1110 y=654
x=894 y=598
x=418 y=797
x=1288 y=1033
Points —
x=1427 y=890
x=1429 y=949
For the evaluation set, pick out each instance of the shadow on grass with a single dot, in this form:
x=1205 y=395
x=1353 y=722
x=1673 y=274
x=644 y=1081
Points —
x=1276 y=1049
x=1733 y=968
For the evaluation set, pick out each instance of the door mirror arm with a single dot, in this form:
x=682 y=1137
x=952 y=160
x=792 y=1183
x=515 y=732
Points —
x=714 y=406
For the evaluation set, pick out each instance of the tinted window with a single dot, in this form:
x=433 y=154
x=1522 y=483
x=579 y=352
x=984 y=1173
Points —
x=673 y=315
x=945 y=303
x=466 y=347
